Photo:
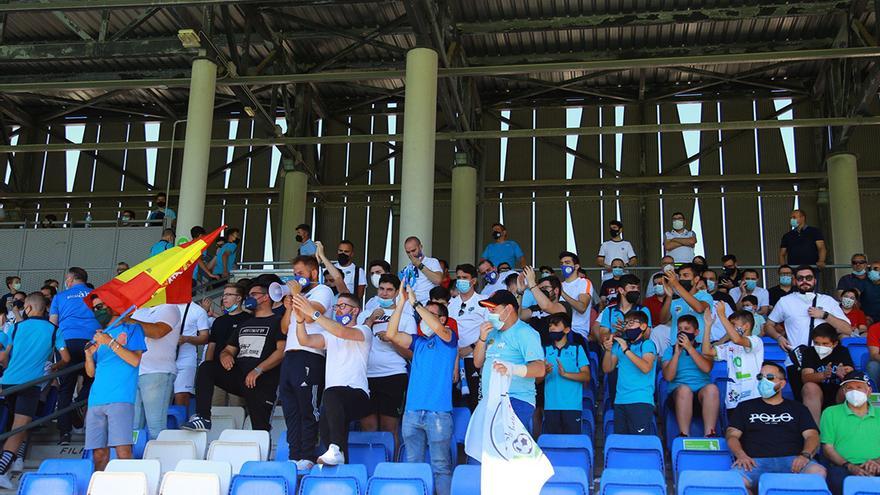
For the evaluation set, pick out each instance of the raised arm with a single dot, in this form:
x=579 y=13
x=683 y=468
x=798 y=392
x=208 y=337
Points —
x=392 y=332
x=428 y=317
x=335 y=273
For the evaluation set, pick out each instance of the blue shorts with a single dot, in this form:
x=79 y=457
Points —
x=109 y=425
x=769 y=465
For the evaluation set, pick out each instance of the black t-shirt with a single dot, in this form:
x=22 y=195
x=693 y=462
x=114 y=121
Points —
x=772 y=431
x=776 y=293
x=222 y=330
x=608 y=289
x=723 y=296
x=256 y=339
x=801 y=245
x=839 y=355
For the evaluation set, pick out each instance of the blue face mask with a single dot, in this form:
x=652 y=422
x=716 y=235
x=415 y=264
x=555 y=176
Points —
x=491 y=277
x=495 y=320
x=659 y=290
x=617 y=272
x=858 y=273
x=785 y=280
x=873 y=275
x=710 y=285
x=342 y=319
x=232 y=308
x=462 y=286
x=566 y=270
x=794 y=223
x=632 y=334
x=304 y=282
x=751 y=284
x=250 y=303
x=766 y=388
x=385 y=303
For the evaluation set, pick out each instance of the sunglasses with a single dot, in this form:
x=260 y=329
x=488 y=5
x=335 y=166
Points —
x=859 y=262
x=807 y=278
x=769 y=376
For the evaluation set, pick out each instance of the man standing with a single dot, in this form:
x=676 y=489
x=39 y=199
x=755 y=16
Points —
x=304 y=238
x=161 y=211
x=680 y=241
x=577 y=292
x=225 y=259
x=492 y=280
x=777 y=292
x=509 y=345
x=158 y=366
x=772 y=434
x=13 y=283
x=164 y=244
x=194 y=333
x=77 y=326
x=615 y=248
x=803 y=244
x=503 y=250
x=469 y=314
x=423 y=273
x=353 y=276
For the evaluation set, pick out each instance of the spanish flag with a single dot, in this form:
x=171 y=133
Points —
x=162 y=279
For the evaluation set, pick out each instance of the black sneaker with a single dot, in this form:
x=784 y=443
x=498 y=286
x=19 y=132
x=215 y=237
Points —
x=65 y=439
x=197 y=423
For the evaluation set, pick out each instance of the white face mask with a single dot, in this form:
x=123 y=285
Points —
x=678 y=224
x=374 y=279
x=847 y=302
x=856 y=398
x=823 y=351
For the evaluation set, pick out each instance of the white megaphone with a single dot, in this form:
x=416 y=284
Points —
x=278 y=291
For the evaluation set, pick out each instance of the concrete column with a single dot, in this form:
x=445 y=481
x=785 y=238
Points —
x=846 y=210
x=419 y=129
x=293 y=211
x=197 y=147
x=462 y=235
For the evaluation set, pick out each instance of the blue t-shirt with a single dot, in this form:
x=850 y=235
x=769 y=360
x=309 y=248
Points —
x=168 y=213
x=503 y=252
x=31 y=348
x=229 y=247
x=75 y=319
x=633 y=386
x=116 y=380
x=679 y=307
x=519 y=344
x=308 y=248
x=613 y=314
x=562 y=394
x=160 y=247
x=430 y=378
x=687 y=372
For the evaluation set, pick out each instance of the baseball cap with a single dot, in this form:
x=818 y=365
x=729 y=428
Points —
x=856 y=376
x=498 y=298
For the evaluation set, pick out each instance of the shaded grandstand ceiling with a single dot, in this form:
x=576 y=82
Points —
x=121 y=58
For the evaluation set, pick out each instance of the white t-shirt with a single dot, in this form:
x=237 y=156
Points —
x=322 y=295
x=347 y=360
x=743 y=366
x=161 y=355
x=792 y=311
x=384 y=360
x=612 y=250
x=660 y=336
x=681 y=254
x=761 y=293
x=469 y=315
x=580 y=322
x=348 y=276
x=196 y=319
x=416 y=279
x=498 y=285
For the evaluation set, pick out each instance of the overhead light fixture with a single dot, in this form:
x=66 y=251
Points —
x=461 y=159
x=189 y=38
x=250 y=111
x=288 y=165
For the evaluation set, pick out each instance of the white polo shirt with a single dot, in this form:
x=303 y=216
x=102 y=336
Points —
x=791 y=310
x=681 y=254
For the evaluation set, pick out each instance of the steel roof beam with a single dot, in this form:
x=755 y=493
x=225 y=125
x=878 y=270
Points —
x=16 y=6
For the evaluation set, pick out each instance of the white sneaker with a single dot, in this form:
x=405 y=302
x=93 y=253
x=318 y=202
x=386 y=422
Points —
x=304 y=465
x=17 y=465
x=333 y=456
x=5 y=482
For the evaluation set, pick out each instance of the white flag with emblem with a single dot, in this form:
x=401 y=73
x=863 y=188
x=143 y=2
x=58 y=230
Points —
x=511 y=460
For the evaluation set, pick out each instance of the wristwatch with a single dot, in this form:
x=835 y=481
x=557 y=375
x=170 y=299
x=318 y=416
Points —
x=806 y=454
x=417 y=304
x=316 y=315
x=421 y=266
x=258 y=370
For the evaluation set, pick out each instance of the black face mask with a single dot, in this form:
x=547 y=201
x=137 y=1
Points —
x=548 y=293
x=343 y=259
x=496 y=235
x=687 y=284
x=160 y=204
x=299 y=238
x=729 y=271
x=614 y=232
x=633 y=297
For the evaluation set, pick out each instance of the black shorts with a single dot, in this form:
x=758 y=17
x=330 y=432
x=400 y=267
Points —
x=24 y=402
x=387 y=394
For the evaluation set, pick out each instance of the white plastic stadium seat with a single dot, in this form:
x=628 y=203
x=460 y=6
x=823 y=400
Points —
x=218 y=425
x=235 y=453
x=111 y=483
x=222 y=469
x=174 y=483
x=169 y=453
x=199 y=438
x=150 y=467
x=261 y=437
x=236 y=413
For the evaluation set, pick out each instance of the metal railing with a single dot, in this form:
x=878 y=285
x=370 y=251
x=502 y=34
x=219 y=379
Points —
x=6 y=392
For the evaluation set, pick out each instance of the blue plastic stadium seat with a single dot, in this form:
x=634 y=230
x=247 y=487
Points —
x=282 y=450
x=347 y=479
x=567 y=481
x=792 y=484
x=858 y=485
x=633 y=452
x=176 y=416
x=719 y=370
x=461 y=416
x=568 y=450
x=81 y=469
x=588 y=400
x=696 y=430
x=286 y=470
x=608 y=422
x=466 y=480
x=630 y=481
x=245 y=484
x=402 y=478
x=370 y=448
x=89 y=455
x=588 y=423
x=594 y=371
x=706 y=458
x=140 y=438
x=711 y=483
x=47 y=483
x=772 y=351
x=858 y=349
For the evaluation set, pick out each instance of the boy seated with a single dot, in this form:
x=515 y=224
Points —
x=690 y=385
x=750 y=304
x=823 y=366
